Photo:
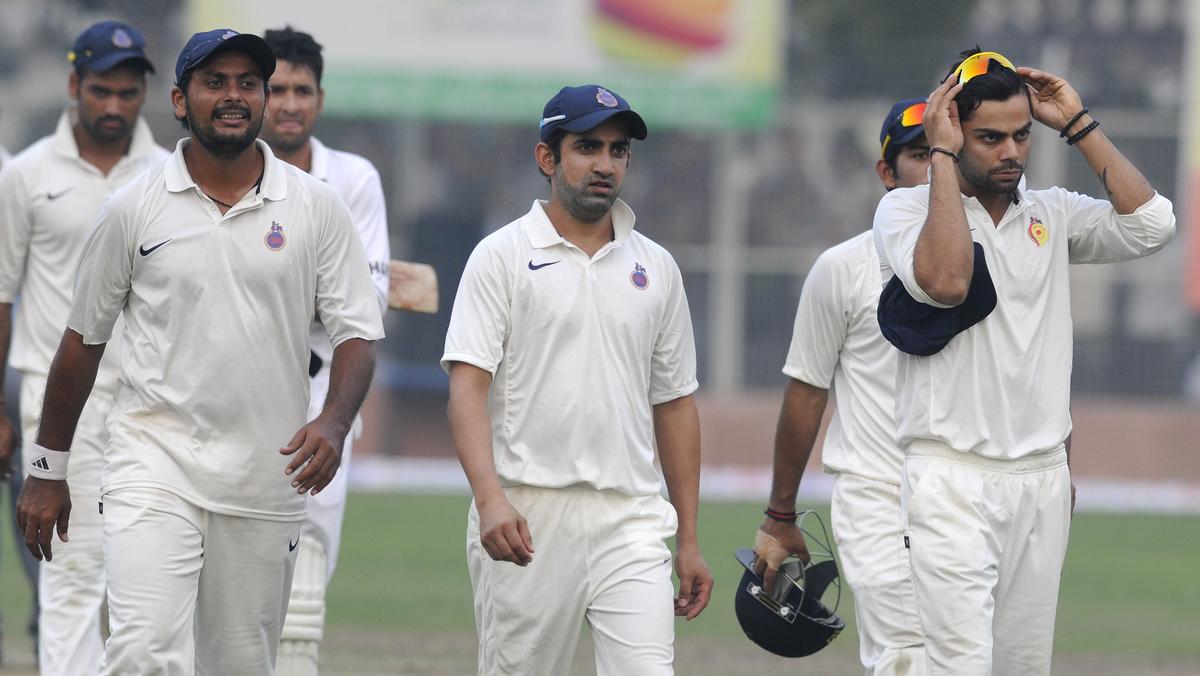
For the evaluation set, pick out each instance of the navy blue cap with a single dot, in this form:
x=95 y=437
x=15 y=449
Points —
x=894 y=134
x=578 y=109
x=203 y=45
x=919 y=329
x=104 y=45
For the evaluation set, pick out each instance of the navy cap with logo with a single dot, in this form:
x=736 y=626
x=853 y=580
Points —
x=578 y=109
x=902 y=124
x=919 y=329
x=107 y=44
x=204 y=45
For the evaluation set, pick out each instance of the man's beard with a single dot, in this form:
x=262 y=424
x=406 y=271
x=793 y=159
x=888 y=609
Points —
x=223 y=146
x=95 y=130
x=287 y=144
x=983 y=180
x=582 y=206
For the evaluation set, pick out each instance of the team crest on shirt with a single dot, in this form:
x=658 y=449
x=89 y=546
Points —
x=638 y=277
x=275 y=239
x=1038 y=231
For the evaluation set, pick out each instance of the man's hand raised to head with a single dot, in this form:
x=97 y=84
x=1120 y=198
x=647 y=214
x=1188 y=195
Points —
x=1054 y=100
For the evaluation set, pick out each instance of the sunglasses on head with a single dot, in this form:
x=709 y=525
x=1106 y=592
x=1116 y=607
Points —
x=911 y=117
x=977 y=64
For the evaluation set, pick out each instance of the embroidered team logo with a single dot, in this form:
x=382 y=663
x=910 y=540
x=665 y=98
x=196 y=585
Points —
x=638 y=277
x=275 y=239
x=606 y=98
x=121 y=39
x=1037 y=231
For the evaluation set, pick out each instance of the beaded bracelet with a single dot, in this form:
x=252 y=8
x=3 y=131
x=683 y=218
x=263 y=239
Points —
x=1083 y=132
x=1067 y=126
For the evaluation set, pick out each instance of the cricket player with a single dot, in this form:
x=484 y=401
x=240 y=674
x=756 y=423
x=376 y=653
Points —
x=217 y=259
x=836 y=342
x=571 y=357
x=292 y=111
x=983 y=420
x=49 y=197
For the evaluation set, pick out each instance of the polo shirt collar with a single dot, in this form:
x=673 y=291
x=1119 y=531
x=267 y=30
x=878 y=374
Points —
x=320 y=159
x=141 y=144
x=541 y=232
x=274 y=183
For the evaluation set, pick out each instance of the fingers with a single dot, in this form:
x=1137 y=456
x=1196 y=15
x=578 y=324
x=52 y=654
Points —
x=63 y=518
x=701 y=593
x=769 y=576
x=31 y=539
x=293 y=445
x=510 y=541
x=685 y=594
x=322 y=463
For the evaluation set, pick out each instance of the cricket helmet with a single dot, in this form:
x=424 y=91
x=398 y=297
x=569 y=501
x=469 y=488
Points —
x=791 y=620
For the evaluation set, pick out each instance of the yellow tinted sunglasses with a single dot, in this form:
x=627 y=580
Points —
x=977 y=64
x=911 y=117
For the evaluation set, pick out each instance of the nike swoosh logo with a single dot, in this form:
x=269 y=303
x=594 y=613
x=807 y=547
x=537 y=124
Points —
x=55 y=195
x=541 y=265
x=146 y=252
x=292 y=545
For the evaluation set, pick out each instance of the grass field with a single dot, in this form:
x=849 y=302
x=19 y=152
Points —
x=400 y=602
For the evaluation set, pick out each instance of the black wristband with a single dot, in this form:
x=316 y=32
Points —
x=786 y=517
x=1067 y=127
x=1083 y=132
x=939 y=149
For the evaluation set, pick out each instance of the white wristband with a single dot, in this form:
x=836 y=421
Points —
x=48 y=464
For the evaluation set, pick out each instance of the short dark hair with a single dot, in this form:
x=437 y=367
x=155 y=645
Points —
x=296 y=47
x=555 y=143
x=998 y=84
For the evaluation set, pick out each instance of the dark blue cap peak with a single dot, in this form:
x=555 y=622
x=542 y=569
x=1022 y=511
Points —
x=107 y=44
x=203 y=45
x=894 y=134
x=578 y=109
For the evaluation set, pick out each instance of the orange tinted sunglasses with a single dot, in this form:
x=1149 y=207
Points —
x=911 y=117
x=977 y=64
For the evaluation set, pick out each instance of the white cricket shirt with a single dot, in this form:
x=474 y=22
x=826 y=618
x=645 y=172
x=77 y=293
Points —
x=1002 y=388
x=579 y=350
x=836 y=341
x=217 y=308
x=356 y=182
x=49 y=198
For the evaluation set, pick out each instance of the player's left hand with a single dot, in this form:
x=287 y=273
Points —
x=695 y=582
x=318 y=450
x=1072 y=498
x=1054 y=100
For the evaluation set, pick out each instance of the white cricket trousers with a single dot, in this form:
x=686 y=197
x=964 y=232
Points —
x=191 y=591
x=71 y=587
x=599 y=556
x=987 y=542
x=868 y=529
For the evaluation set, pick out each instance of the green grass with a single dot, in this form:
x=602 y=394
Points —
x=1129 y=588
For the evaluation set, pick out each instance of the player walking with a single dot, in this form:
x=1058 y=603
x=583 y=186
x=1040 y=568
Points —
x=570 y=354
x=216 y=259
x=836 y=342
x=292 y=111
x=49 y=197
x=985 y=487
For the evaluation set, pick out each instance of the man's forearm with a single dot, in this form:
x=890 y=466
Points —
x=799 y=422
x=677 y=430
x=943 y=260
x=72 y=375
x=1127 y=188
x=349 y=379
x=471 y=429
